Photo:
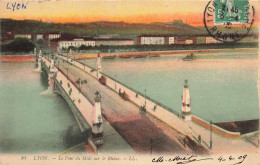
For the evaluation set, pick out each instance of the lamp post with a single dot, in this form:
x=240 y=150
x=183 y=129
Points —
x=210 y=142
x=67 y=72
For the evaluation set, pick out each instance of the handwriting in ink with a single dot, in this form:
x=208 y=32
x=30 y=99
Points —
x=240 y=159
x=181 y=160
x=16 y=6
x=186 y=160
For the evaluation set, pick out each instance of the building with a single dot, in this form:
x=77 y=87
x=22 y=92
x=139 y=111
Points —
x=114 y=41
x=201 y=39
x=51 y=36
x=29 y=36
x=186 y=40
x=39 y=36
x=156 y=39
x=77 y=42
x=211 y=40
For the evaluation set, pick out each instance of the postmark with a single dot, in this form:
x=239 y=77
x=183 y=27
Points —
x=228 y=20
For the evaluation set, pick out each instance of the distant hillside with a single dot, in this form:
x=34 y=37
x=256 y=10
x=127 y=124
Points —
x=120 y=29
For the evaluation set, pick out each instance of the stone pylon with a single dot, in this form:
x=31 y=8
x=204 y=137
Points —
x=98 y=66
x=97 y=122
x=186 y=104
x=70 y=57
x=51 y=76
x=39 y=68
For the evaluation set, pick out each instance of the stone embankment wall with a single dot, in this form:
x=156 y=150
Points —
x=81 y=56
x=18 y=58
x=215 y=128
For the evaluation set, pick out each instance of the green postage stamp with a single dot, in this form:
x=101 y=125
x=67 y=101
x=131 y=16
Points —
x=231 y=11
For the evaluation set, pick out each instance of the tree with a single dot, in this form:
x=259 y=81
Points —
x=83 y=47
x=63 y=49
x=89 y=47
x=103 y=48
x=19 y=45
x=40 y=41
x=72 y=48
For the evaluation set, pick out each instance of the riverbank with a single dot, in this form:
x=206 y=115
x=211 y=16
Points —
x=17 y=58
x=82 y=56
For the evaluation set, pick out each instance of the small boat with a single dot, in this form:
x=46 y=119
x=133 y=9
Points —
x=189 y=57
x=109 y=57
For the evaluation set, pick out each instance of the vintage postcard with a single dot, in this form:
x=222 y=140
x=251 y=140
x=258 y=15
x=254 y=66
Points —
x=129 y=82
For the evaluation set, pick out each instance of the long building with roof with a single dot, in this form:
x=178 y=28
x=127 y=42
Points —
x=114 y=41
x=156 y=39
x=66 y=41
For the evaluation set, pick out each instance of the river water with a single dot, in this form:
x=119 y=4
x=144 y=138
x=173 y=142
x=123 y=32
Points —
x=29 y=121
x=223 y=85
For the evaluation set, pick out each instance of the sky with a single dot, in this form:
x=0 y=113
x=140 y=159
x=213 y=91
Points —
x=131 y=11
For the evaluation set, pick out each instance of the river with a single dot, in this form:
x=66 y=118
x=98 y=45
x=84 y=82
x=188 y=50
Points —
x=29 y=121
x=223 y=85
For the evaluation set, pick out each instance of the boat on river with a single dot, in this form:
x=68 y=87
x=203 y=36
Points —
x=189 y=57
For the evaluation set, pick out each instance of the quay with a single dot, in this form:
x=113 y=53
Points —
x=81 y=56
x=156 y=130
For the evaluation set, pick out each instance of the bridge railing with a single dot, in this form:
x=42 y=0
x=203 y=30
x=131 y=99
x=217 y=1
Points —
x=75 y=84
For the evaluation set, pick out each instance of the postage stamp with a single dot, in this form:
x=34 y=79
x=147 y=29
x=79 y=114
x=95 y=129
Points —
x=231 y=11
x=229 y=20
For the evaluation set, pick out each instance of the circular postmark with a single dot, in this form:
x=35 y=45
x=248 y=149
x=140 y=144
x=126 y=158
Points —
x=228 y=20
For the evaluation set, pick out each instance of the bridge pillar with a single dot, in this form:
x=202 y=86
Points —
x=97 y=122
x=51 y=76
x=39 y=68
x=70 y=57
x=186 y=104
x=98 y=66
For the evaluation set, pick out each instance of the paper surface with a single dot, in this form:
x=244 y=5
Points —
x=129 y=82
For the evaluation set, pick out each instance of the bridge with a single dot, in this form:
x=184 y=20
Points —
x=87 y=114
x=159 y=130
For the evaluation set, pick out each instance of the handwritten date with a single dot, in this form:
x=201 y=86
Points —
x=193 y=158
